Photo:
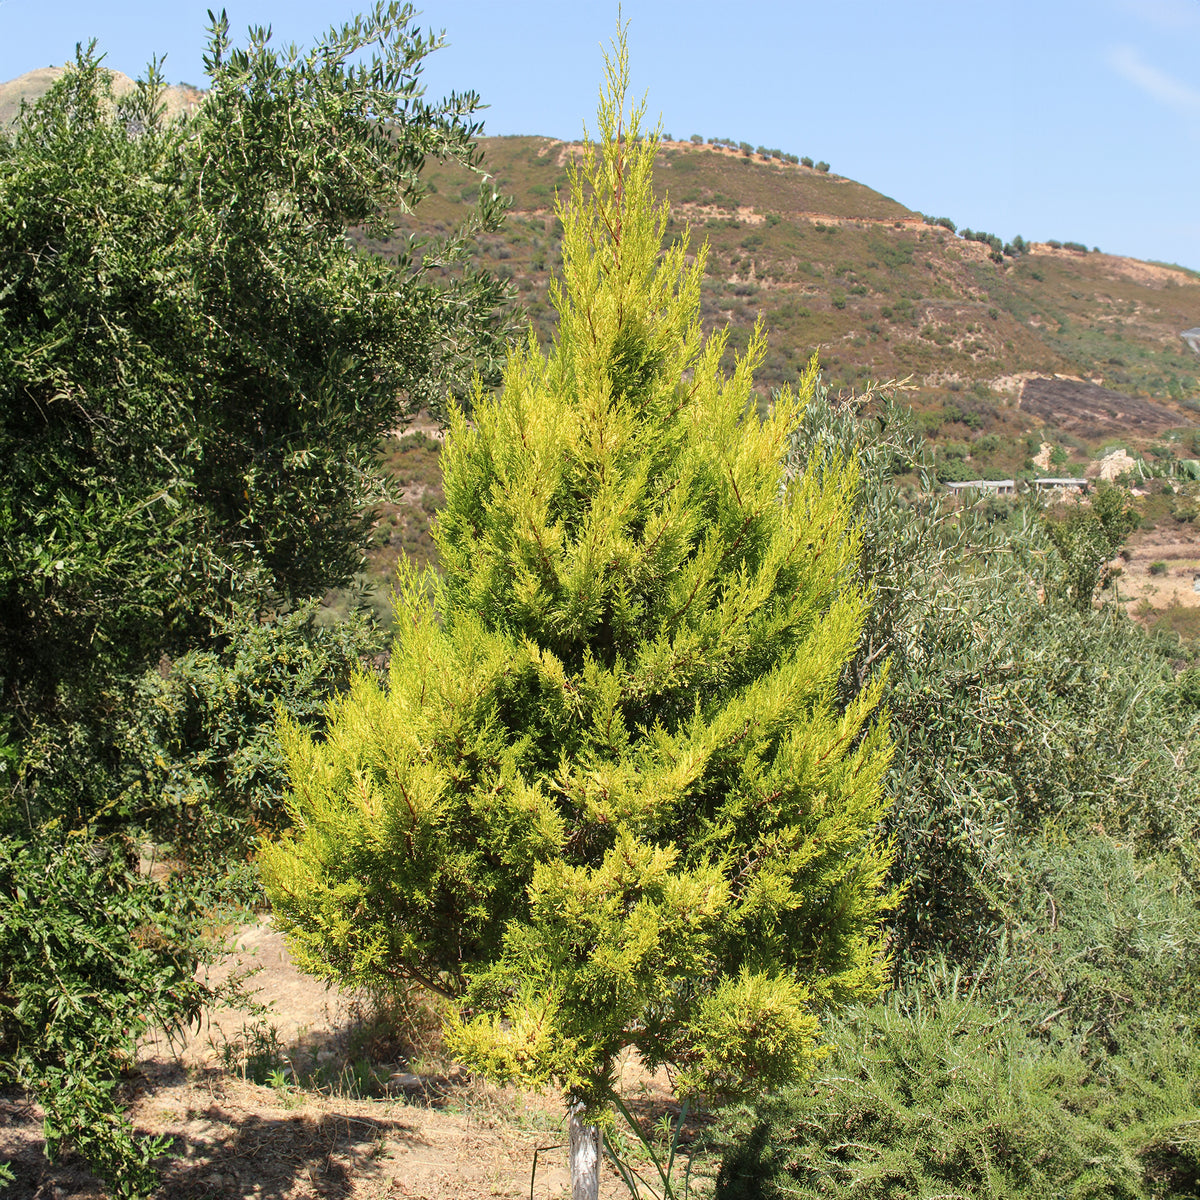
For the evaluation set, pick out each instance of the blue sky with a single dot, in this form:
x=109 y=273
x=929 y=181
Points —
x=1075 y=119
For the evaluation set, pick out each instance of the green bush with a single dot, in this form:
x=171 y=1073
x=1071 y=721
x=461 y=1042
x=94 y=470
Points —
x=1009 y=704
x=1158 y=568
x=939 y=1095
x=196 y=369
x=205 y=770
x=190 y=285
x=92 y=956
x=1066 y=1064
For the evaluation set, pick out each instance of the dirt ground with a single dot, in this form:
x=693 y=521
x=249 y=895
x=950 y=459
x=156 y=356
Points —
x=432 y=1133
x=1179 y=554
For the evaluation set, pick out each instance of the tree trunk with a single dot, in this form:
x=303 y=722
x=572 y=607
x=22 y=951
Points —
x=585 y=1155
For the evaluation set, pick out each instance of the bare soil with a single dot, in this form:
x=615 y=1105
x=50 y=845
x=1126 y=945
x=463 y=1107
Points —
x=1092 y=412
x=1179 y=553
x=434 y=1133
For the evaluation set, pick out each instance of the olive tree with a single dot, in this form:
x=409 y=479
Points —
x=196 y=366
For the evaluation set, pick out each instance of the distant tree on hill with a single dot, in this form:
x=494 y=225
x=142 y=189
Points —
x=1087 y=539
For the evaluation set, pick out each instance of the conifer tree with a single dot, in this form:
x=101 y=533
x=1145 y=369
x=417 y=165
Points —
x=607 y=798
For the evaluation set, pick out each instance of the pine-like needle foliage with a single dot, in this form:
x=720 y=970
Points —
x=608 y=797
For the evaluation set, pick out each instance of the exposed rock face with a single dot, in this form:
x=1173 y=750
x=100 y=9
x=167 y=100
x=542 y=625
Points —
x=1041 y=459
x=1112 y=466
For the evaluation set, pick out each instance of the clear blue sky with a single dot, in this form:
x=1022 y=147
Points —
x=1075 y=119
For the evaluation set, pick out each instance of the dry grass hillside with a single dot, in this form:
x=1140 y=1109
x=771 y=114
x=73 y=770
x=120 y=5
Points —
x=1056 y=352
x=833 y=266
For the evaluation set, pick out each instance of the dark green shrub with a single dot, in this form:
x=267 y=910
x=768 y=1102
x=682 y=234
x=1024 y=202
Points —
x=1086 y=539
x=823 y=167
x=1158 y=568
x=194 y=281
x=1065 y=1064
x=208 y=775
x=1188 y=687
x=805 y=161
x=92 y=956
x=939 y=1095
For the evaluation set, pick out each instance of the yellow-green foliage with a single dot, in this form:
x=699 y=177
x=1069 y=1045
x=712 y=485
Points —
x=606 y=798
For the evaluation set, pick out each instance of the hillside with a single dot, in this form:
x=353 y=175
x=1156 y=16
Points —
x=1055 y=352
x=831 y=265
x=183 y=98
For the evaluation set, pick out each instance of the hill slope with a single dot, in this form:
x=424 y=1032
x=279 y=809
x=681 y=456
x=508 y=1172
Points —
x=834 y=266
x=31 y=86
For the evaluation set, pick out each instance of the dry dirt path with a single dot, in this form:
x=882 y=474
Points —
x=439 y=1135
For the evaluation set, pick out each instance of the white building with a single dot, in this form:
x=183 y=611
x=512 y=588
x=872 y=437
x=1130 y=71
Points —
x=999 y=487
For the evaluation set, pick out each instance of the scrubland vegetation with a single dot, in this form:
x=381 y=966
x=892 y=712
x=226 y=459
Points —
x=703 y=725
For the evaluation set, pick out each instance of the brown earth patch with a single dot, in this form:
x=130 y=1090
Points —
x=1090 y=411
x=1179 y=553
x=433 y=1133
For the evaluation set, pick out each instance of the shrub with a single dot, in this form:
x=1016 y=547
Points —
x=1065 y=1064
x=207 y=773
x=92 y=957
x=939 y=1094
x=1088 y=538
x=1008 y=707
x=196 y=372
x=806 y=161
x=194 y=281
x=823 y=167
x=607 y=799
x=1158 y=568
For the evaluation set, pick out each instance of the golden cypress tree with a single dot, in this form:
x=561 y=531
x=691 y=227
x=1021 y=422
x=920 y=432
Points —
x=607 y=798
